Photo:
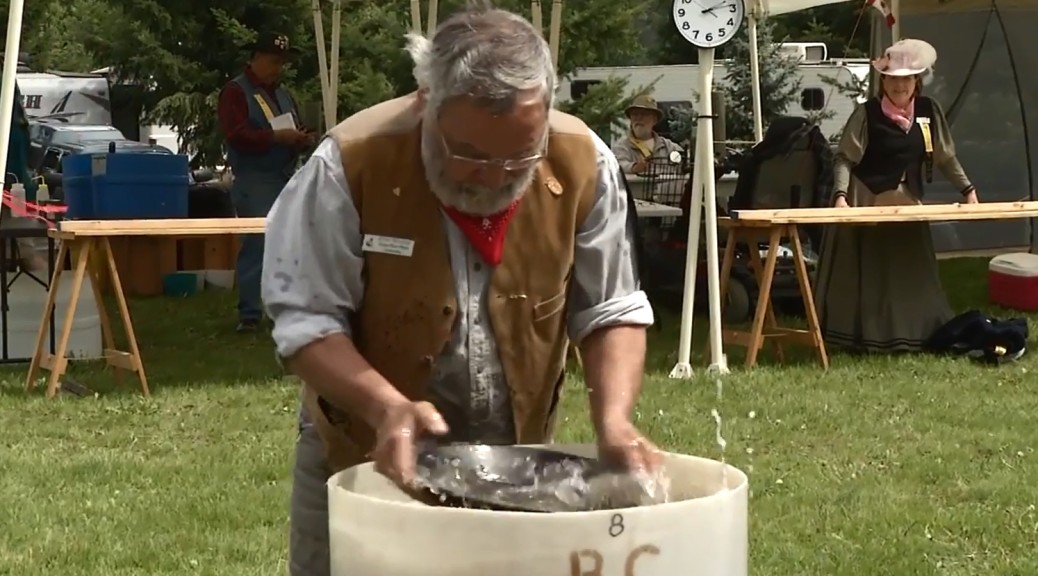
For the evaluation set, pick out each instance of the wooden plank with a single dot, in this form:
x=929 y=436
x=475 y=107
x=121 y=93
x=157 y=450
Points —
x=191 y=253
x=880 y=214
x=171 y=227
x=120 y=359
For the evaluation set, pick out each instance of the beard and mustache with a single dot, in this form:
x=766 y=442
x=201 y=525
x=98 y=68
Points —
x=471 y=199
x=641 y=131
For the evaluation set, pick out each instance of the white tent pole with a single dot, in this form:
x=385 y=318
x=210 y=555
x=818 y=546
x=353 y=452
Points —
x=333 y=68
x=536 y=17
x=434 y=8
x=416 y=17
x=14 y=41
x=758 y=121
x=556 y=31
x=322 y=63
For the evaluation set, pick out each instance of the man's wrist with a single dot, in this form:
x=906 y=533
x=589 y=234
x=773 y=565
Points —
x=384 y=405
x=604 y=419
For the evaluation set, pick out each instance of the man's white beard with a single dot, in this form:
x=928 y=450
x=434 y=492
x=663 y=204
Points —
x=641 y=132
x=467 y=198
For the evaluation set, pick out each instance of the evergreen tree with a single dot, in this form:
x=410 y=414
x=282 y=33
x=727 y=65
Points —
x=779 y=79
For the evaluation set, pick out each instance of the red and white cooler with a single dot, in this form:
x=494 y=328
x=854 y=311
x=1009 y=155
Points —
x=1013 y=281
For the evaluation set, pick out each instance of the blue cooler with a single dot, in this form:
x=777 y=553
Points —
x=140 y=186
x=77 y=184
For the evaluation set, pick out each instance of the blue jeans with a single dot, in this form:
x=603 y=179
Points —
x=253 y=196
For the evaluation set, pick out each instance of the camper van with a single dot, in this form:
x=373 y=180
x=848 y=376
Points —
x=86 y=99
x=66 y=97
x=675 y=86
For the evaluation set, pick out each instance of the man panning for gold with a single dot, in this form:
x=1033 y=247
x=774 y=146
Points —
x=427 y=267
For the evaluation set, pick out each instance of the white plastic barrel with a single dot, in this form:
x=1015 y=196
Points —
x=26 y=300
x=378 y=530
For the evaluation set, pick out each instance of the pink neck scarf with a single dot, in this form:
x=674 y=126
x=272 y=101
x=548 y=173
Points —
x=903 y=117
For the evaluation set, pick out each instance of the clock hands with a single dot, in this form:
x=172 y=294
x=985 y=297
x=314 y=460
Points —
x=711 y=9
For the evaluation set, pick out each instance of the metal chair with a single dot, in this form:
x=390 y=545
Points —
x=668 y=177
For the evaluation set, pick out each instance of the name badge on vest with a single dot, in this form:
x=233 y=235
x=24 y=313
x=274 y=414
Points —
x=388 y=245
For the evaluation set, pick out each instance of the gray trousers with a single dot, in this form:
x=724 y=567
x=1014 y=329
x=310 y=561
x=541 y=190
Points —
x=308 y=552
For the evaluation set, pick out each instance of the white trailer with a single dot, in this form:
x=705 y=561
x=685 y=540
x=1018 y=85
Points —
x=674 y=86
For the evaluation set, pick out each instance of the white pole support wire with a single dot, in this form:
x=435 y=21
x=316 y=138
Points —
x=434 y=9
x=322 y=64
x=758 y=121
x=333 y=67
x=556 y=31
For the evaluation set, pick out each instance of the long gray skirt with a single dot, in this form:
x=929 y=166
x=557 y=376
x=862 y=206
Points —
x=878 y=287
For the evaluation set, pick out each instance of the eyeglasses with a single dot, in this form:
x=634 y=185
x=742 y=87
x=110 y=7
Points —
x=509 y=165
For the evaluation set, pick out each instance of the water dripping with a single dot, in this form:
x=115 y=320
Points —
x=721 y=442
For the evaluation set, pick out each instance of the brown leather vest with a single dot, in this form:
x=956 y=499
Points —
x=409 y=304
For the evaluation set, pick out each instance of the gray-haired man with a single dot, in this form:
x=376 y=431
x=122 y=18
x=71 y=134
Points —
x=428 y=265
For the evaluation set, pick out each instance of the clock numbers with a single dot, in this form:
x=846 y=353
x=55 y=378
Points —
x=705 y=23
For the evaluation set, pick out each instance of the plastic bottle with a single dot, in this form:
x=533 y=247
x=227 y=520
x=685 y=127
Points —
x=42 y=193
x=18 y=193
x=18 y=208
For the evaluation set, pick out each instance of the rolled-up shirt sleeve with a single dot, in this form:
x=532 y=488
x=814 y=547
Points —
x=605 y=290
x=312 y=262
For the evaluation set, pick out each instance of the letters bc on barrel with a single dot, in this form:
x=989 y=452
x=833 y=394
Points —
x=376 y=529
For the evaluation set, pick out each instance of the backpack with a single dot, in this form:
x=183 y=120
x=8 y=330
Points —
x=790 y=168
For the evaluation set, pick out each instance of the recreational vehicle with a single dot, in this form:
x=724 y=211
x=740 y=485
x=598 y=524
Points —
x=675 y=86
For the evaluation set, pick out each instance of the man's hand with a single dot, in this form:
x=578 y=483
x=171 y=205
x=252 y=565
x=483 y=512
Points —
x=290 y=137
x=402 y=425
x=621 y=444
x=971 y=198
x=640 y=167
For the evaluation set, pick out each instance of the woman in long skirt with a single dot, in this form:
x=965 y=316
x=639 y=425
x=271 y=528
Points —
x=878 y=288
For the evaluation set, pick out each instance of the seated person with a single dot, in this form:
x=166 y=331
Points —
x=642 y=142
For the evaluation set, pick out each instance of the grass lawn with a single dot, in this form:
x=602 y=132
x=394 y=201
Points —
x=896 y=466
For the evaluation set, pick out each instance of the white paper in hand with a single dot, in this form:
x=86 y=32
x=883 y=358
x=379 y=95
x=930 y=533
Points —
x=283 y=122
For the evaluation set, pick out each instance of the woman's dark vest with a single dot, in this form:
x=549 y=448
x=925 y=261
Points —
x=892 y=154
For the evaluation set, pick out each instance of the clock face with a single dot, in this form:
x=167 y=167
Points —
x=708 y=23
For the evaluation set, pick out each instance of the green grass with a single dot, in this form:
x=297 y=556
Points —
x=898 y=465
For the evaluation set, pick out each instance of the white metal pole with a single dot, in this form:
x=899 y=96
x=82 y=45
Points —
x=683 y=369
x=322 y=62
x=434 y=8
x=416 y=17
x=556 y=30
x=718 y=363
x=333 y=68
x=10 y=76
x=758 y=121
x=536 y=17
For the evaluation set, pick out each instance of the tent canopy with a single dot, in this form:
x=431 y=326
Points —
x=776 y=7
x=984 y=79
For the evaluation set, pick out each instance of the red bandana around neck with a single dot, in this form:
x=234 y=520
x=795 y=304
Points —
x=485 y=233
